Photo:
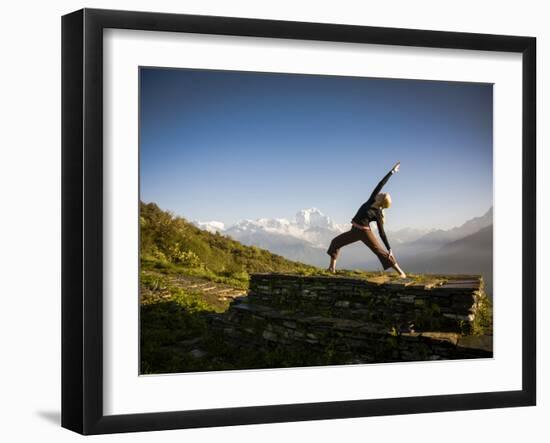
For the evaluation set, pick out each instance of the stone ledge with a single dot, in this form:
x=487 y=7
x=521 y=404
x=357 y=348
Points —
x=399 y=320
x=437 y=280
x=435 y=304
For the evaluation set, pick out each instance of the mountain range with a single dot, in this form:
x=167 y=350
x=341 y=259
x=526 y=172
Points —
x=309 y=226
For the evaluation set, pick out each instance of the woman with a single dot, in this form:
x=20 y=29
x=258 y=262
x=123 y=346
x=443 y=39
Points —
x=371 y=210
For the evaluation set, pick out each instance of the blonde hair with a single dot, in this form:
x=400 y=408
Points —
x=384 y=200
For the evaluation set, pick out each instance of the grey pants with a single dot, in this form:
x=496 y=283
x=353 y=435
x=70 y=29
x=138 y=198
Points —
x=367 y=237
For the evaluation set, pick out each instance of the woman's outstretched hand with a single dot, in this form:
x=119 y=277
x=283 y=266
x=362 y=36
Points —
x=396 y=167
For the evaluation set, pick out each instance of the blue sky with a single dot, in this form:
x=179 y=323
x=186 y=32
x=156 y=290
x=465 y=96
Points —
x=225 y=145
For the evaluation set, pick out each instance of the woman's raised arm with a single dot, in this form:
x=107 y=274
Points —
x=380 y=185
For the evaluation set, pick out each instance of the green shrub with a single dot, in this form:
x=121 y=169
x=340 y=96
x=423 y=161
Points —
x=171 y=244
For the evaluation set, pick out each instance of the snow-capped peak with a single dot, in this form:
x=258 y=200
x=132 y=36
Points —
x=268 y=224
x=309 y=225
x=210 y=226
x=313 y=218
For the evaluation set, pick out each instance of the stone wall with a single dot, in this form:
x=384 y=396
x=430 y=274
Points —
x=360 y=320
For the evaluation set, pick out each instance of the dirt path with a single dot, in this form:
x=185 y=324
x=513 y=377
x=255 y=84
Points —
x=218 y=295
x=214 y=293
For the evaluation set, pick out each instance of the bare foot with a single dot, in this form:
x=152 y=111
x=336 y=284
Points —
x=331 y=270
x=399 y=271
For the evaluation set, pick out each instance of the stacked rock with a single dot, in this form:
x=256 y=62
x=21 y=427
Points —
x=367 y=321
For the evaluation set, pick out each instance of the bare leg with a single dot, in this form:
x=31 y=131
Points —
x=332 y=266
x=399 y=271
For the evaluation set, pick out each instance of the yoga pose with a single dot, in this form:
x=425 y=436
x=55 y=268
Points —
x=371 y=210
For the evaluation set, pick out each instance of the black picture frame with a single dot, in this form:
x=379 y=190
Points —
x=82 y=218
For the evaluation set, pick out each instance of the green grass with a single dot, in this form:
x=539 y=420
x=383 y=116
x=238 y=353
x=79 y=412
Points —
x=172 y=239
x=483 y=322
x=378 y=276
x=172 y=319
x=235 y=279
x=168 y=316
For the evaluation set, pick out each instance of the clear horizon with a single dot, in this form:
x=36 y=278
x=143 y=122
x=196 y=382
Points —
x=227 y=146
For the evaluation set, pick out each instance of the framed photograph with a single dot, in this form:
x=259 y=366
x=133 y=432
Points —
x=270 y=221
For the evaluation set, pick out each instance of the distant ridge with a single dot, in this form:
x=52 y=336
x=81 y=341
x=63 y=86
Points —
x=470 y=254
x=469 y=227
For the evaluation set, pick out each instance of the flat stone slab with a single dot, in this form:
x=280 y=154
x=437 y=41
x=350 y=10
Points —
x=461 y=284
x=250 y=307
x=478 y=342
x=448 y=337
x=428 y=284
x=198 y=353
x=465 y=282
x=399 y=283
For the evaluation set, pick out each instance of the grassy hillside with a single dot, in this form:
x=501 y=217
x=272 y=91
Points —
x=171 y=244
